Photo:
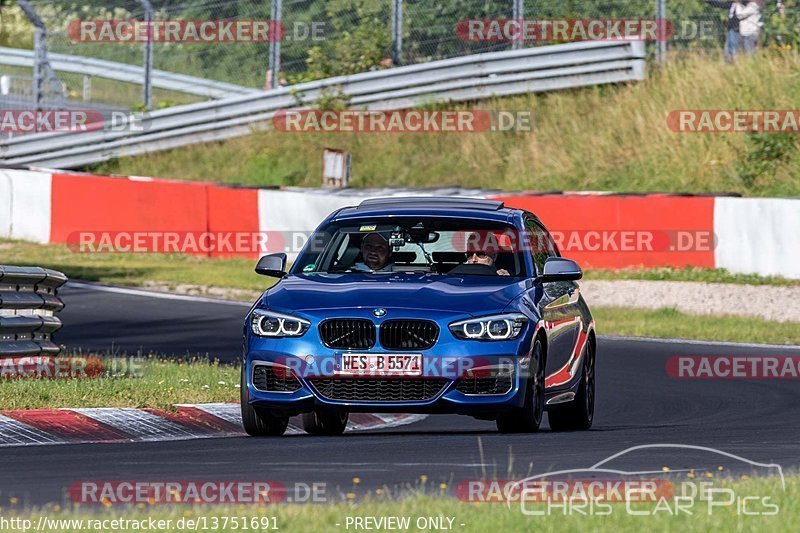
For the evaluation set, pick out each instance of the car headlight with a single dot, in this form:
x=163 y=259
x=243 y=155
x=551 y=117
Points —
x=269 y=324
x=490 y=328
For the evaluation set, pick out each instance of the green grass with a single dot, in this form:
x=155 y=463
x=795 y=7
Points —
x=611 y=138
x=157 y=384
x=475 y=517
x=670 y=323
x=707 y=275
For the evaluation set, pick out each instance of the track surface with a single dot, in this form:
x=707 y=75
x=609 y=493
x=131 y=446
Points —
x=108 y=319
x=637 y=404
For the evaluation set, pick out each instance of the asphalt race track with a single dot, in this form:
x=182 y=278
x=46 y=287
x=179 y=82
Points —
x=637 y=404
x=104 y=319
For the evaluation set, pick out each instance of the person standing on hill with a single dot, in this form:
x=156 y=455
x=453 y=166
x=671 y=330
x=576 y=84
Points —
x=733 y=40
x=749 y=14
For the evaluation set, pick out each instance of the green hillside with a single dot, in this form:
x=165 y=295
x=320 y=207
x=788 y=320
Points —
x=606 y=138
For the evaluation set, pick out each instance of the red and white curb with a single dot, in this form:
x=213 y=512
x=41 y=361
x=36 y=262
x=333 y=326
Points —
x=106 y=424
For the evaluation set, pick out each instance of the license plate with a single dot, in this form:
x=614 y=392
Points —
x=357 y=364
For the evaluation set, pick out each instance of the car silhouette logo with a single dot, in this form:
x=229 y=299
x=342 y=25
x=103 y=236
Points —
x=379 y=313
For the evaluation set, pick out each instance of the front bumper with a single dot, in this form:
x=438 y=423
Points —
x=432 y=394
x=448 y=361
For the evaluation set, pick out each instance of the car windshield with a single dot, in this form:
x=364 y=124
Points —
x=457 y=247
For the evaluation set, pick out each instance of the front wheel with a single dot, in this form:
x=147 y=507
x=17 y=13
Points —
x=325 y=422
x=257 y=421
x=526 y=419
x=579 y=413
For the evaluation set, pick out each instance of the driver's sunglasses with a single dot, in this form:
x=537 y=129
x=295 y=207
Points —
x=481 y=255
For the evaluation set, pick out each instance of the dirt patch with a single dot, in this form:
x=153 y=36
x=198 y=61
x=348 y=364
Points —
x=778 y=303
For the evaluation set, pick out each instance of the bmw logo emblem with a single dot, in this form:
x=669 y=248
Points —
x=379 y=312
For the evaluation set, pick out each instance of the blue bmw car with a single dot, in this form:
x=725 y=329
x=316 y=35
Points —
x=421 y=305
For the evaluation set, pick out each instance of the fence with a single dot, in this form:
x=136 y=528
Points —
x=28 y=303
x=16 y=93
x=458 y=79
x=90 y=68
x=326 y=39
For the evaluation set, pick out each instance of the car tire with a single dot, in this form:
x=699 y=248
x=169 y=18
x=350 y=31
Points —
x=257 y=421
x=325 y=422
x=526 y=419
x=578 y=415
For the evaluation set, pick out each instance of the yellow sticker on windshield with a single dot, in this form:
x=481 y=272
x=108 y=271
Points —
x=368 y=228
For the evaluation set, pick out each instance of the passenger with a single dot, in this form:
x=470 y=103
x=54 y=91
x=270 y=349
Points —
x=375 y=254
x=484 y=253
x=485 y=257
x=733 y=39
x=749 y=14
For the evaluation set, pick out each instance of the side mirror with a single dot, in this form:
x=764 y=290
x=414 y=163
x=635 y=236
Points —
x=560 y=269
x=272 y=265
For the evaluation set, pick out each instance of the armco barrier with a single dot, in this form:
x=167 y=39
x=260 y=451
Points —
x=753 y=235
x=460 y=79
x=28 y=303
x=88 y=66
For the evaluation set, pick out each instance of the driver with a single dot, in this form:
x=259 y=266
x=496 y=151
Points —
x=376 y=254
x=485 y=254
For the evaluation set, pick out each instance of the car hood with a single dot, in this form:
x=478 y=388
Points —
x=475 y=295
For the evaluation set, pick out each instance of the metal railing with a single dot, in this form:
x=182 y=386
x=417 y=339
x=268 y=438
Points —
x=112 y=70
x=28 y=303
x=459 y=79
x=16 y=93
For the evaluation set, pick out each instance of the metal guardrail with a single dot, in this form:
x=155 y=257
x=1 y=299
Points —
x=123 y=72
x=28 y=303
x=460 y=79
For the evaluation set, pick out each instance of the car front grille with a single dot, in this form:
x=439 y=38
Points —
x=267 y=379
x=379 y=390
x=348 y=333
x=409 y=334
x=485 y=385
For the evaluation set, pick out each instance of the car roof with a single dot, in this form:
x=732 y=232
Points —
x=436 y=206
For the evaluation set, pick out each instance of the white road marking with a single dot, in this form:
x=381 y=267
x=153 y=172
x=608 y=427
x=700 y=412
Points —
x=13 y=432
x=139 y=424
x=231 y=412
x=699 y=342
x=393 y=421
x=144 y=426
x=153 y=294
